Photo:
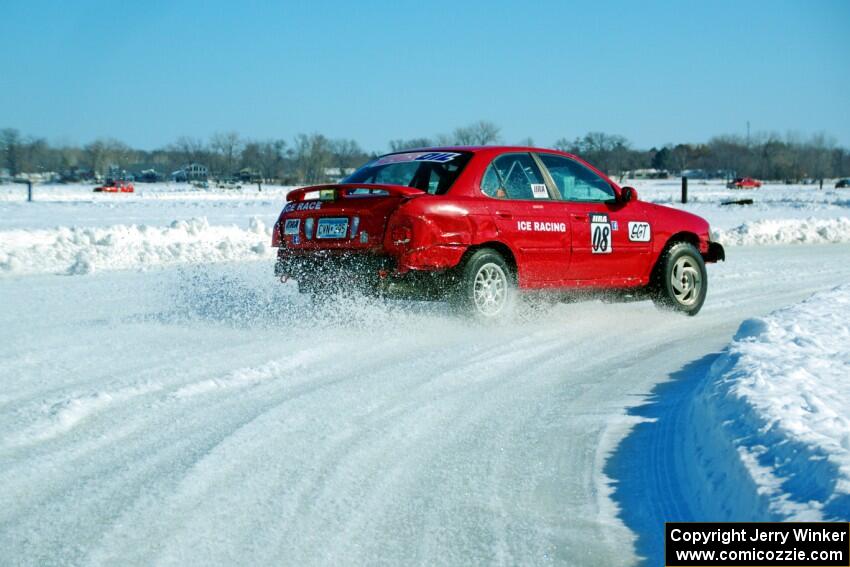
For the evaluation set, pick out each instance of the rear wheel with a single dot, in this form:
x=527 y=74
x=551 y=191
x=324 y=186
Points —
x=487 y=286
x=681 y=281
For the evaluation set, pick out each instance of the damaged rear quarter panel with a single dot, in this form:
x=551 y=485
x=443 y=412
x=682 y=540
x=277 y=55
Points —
x=443 y=229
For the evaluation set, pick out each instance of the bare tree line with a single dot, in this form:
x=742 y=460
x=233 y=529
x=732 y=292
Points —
x=311 y=158
x=307 y=158
x=766 y=156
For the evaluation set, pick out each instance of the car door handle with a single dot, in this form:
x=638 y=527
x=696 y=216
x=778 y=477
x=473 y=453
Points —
x=504 y=214
x=580 y=217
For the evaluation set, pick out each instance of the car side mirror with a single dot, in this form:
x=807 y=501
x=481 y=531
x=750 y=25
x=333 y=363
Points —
x=628 y=194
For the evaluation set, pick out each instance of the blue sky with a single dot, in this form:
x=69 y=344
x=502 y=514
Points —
x=148 y=72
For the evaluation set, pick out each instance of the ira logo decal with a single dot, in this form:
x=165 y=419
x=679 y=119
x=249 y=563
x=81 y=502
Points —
x=538 y=191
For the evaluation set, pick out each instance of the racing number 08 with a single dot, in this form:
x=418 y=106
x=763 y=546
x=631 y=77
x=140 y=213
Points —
x=601 y=237
x=600 y=233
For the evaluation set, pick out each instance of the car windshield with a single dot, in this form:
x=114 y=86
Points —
x=432 y=172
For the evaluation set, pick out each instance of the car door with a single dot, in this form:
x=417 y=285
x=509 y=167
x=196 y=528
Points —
x=529 y=219
x=610 y=238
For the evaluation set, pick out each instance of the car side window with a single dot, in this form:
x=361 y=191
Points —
x=514 y=176
x=575 y=181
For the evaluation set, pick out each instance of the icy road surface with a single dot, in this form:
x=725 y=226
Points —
x=210 y=416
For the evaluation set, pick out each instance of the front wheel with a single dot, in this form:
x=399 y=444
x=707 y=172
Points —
x=487 y=287
x=681 y=281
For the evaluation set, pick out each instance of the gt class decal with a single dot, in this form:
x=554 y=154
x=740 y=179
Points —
x=639 y=232
x=600 y=233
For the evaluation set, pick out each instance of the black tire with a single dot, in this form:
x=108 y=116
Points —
x=486 y=287
x=680 y=281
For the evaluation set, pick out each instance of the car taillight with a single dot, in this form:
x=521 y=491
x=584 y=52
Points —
x=401 y=234
x=355 y=224
x=276 y=234
x=308 y=227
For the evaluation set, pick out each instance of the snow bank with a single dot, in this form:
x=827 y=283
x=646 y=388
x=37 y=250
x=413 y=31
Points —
x=786 y=231
x=776 y=408
x=76 y=251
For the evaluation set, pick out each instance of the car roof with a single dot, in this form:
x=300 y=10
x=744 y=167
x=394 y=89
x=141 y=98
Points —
x=492 y=151
x=482 y=149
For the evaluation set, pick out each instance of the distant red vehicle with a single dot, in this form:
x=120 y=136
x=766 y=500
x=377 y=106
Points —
x=744 y=183
x=115 y=186
x=476 y=224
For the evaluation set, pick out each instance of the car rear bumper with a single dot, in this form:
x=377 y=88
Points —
x=337 y=264
x=374 y=273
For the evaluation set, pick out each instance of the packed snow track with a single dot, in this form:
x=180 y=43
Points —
x=209 y=416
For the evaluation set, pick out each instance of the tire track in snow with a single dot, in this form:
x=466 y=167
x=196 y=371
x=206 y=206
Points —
x=455 y=424
x=202 y=463
x=378 y=363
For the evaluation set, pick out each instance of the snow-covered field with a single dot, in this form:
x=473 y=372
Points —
x=201 y=413
x=154 y=204
x=770 y=202
x=69 y=229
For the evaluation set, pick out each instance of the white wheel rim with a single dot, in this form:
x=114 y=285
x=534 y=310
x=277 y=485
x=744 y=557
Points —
x=686 y=281
x=490 y=289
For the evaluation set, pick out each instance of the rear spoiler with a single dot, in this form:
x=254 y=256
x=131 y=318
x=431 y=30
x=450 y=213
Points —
x=344 y=189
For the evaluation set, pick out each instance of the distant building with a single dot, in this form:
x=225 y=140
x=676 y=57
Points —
x=695 y=174
x=248 y=175
x=708 y=174
x=649 y=173
x=148 y=176
x=338 y=172
x=40 y=177
x=76 y=175
x=191 y=172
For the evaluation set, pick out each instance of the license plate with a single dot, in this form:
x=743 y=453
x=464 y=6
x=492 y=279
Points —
x=291 y=226
x=332 y=228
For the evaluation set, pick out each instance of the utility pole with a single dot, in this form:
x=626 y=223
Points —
x=29 y=187
x=748 y=133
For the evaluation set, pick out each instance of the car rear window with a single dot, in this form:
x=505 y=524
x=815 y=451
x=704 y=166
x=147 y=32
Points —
x=432 y=172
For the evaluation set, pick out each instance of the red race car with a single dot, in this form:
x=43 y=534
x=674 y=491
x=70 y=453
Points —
x=744 y=183
x=115 y=186
x=476 y=224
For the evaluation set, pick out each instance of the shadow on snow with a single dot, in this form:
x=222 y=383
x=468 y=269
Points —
x=643 y=469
